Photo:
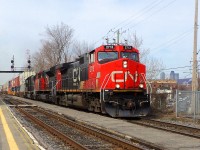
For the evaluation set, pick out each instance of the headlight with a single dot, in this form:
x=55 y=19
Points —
x=117 y=86
x=141 y=86
x=125 y=64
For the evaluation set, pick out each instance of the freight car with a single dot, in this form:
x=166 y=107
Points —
x=4 y=88
x=109 y=79
x=16 y=86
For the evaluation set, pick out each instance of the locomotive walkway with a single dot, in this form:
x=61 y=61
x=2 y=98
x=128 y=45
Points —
x=12 y=135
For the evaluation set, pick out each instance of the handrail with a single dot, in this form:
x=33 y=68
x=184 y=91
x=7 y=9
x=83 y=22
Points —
x=147 y=83
x=104 y=81
x=103 y=86
x=53 y=88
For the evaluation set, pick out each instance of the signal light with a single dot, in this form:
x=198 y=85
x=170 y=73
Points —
x=29 y=64
x=12 y=61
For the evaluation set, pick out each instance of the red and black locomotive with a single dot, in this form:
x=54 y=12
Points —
x=109 y=79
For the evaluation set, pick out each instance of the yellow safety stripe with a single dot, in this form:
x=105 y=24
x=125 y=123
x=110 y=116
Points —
x=9 y=136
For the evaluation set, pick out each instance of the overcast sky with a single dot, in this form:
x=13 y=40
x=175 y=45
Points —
x=166 y=26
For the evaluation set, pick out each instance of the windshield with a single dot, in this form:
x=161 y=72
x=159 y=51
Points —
x=130 y=55
x=107 y=56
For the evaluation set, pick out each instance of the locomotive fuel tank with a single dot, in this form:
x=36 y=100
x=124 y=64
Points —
x=76 y=100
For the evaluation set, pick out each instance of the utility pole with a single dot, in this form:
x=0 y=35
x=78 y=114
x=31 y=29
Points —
x=194 y=66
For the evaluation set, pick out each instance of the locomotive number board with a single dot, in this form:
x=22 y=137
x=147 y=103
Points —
x=109 y=46
x=128 y=47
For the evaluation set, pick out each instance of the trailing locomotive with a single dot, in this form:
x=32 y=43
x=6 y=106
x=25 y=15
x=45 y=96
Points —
x=109 y=79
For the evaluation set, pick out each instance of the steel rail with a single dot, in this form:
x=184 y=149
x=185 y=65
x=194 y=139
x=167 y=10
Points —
x=53 y=131
x=170 y=127
x=119 y=143
x=17 y=102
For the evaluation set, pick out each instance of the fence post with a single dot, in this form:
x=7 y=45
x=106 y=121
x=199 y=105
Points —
x=176 y=103
x=198 y=107
x=195 y=100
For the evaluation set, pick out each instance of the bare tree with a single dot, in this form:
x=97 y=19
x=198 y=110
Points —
x=137 y=42
x=38 y=62
x=153 y=65
x=55 y=47
x=80 y=48
x=59 y=37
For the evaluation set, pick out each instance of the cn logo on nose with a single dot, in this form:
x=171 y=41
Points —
x=126 y=74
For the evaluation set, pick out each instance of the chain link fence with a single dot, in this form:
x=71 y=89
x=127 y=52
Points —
x=163 y=102
x=188 y=104
x=181 y=103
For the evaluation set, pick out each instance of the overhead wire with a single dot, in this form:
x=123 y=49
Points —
x=145 y=12
x=147 y=8
x=156 y=4
x=174 y=40
x=178 y=68
x=141 y=12
x=175 y=68
x=149 y=16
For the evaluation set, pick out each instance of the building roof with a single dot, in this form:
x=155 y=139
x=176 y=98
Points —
x=167 y=81
x=185 y=81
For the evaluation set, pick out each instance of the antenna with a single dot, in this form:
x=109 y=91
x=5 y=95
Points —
x=118 y=34
x=126 y=41
x=107 y=40
x=114 y=40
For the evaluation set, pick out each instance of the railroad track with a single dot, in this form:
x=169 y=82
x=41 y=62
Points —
x=170 y=127
x=84 y=137
x=13 y=102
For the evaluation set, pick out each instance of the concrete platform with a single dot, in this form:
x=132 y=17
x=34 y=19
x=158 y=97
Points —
x=12 y=135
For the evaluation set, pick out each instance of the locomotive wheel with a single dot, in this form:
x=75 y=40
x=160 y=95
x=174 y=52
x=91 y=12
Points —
x=91 y=106
x=34 y=97
x=30 y=97
x=97 y=105
x=57 y=101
